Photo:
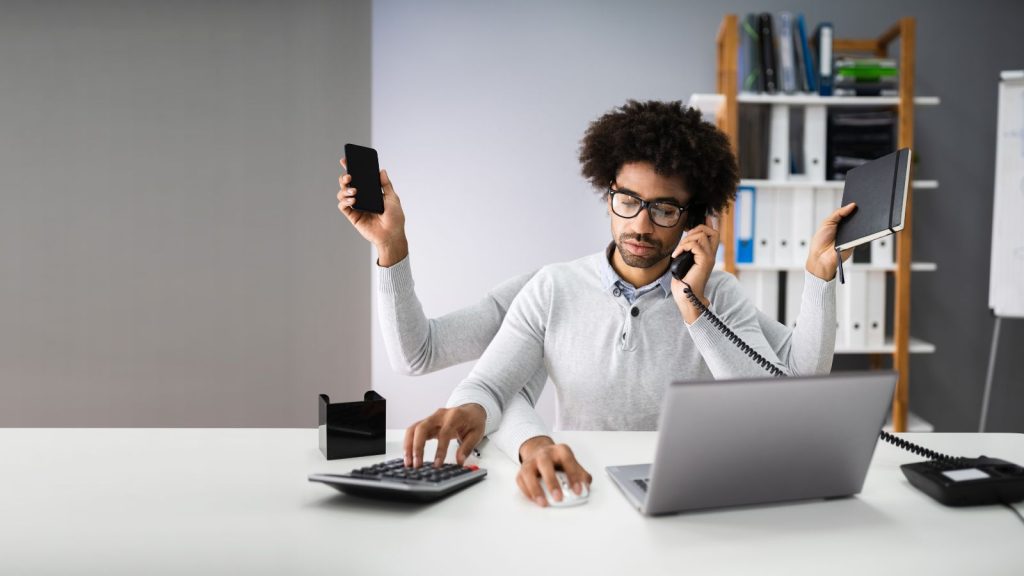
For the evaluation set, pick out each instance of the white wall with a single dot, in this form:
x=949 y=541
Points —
x=478 y=110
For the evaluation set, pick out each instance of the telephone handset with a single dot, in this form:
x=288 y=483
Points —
x=680 y=265
x=954 y=481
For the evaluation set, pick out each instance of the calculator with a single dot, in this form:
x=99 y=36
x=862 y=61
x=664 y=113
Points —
x=391 y=480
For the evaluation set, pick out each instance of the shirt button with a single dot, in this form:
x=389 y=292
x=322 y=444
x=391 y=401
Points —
x=617 y=292
x=635 y=311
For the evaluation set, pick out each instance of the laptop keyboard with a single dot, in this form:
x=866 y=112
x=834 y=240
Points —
x=642 y=483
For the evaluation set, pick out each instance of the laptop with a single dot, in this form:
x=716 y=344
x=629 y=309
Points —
x=756 y=441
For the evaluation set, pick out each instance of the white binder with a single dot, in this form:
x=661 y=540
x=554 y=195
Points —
x=815 y=130
x=882 y=251
x=802 y=224
x=841 y=296
x=764 y=226
x=852 y=313
x=778 y=144
x=875 y=307
x=824 y=205
x=762 y=287
x=783 y=198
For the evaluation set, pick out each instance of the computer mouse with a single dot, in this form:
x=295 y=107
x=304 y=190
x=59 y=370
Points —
x=569 y=498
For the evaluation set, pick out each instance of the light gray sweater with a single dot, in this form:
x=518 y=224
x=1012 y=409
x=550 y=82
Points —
x=601 y=383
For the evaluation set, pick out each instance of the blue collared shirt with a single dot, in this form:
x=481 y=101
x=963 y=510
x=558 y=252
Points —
x=619 y=287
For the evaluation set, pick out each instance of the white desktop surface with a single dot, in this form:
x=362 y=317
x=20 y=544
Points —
x=237 y=501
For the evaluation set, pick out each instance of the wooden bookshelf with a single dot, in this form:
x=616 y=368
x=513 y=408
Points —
x=903 y=35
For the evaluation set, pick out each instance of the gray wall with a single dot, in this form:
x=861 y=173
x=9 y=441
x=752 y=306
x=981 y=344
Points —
x=170 y=249
x=478 y=109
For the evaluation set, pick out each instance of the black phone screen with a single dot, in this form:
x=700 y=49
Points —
x=365 y=171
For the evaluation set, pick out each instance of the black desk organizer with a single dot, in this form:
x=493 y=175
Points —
x=352 y=429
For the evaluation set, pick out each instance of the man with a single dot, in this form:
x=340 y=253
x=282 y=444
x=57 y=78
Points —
x=613 y=329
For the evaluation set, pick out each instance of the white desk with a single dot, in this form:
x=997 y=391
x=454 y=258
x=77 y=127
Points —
x=229 y=501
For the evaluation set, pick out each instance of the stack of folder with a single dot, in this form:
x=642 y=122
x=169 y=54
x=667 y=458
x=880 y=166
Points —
x=857 y=136
x=776 y=55
x=866 y=77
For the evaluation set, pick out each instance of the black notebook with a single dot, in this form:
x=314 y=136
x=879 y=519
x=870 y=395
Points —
x=880 y=190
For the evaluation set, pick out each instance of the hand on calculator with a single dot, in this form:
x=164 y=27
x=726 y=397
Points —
x=463 y=423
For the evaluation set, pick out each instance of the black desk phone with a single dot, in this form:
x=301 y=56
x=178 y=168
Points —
x=953 y=481
x=968 y=481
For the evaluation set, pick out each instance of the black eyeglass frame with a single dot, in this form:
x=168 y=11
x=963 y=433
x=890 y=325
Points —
x=645 y=204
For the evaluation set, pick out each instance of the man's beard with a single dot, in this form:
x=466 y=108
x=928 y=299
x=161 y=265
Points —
x=636 y=261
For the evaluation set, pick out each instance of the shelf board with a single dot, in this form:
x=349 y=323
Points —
x=815 y=99
x=917 y=346
x=831 y=184
x=914 y=267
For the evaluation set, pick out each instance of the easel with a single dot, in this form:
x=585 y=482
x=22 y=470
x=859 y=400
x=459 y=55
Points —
x=1006 y=288
x=988 y=377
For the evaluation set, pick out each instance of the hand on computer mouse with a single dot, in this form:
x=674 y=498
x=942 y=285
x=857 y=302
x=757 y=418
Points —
x=542 y=461
x=569 y=497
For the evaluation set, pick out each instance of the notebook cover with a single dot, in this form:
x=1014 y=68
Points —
x=880 y=190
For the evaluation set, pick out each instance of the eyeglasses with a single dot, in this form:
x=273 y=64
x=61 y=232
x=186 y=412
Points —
x=628 y=205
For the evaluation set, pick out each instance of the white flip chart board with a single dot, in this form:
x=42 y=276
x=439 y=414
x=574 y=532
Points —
x=1006 y=288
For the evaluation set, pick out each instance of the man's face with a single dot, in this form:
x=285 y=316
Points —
x=639 y=241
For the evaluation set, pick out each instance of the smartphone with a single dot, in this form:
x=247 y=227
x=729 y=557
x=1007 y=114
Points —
x=365 y=171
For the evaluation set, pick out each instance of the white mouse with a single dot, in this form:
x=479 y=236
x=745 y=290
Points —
x=569 y=498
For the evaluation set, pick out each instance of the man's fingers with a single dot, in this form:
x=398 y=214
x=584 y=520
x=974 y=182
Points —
x=686 y=244
x=344 y=163
x=527 y=481
x=424 y=431
x=546 y=467
x=466 y=445
x=522 y=486
x=701 y=242
x=700 y=230
x=528 y=475
x=837 y=216
x=353 y=215
x=443 y=439
x=577 y=475
x=407 y=444
x=566 y=460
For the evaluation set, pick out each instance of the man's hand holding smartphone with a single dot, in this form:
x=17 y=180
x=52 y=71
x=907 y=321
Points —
x=385 y=230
